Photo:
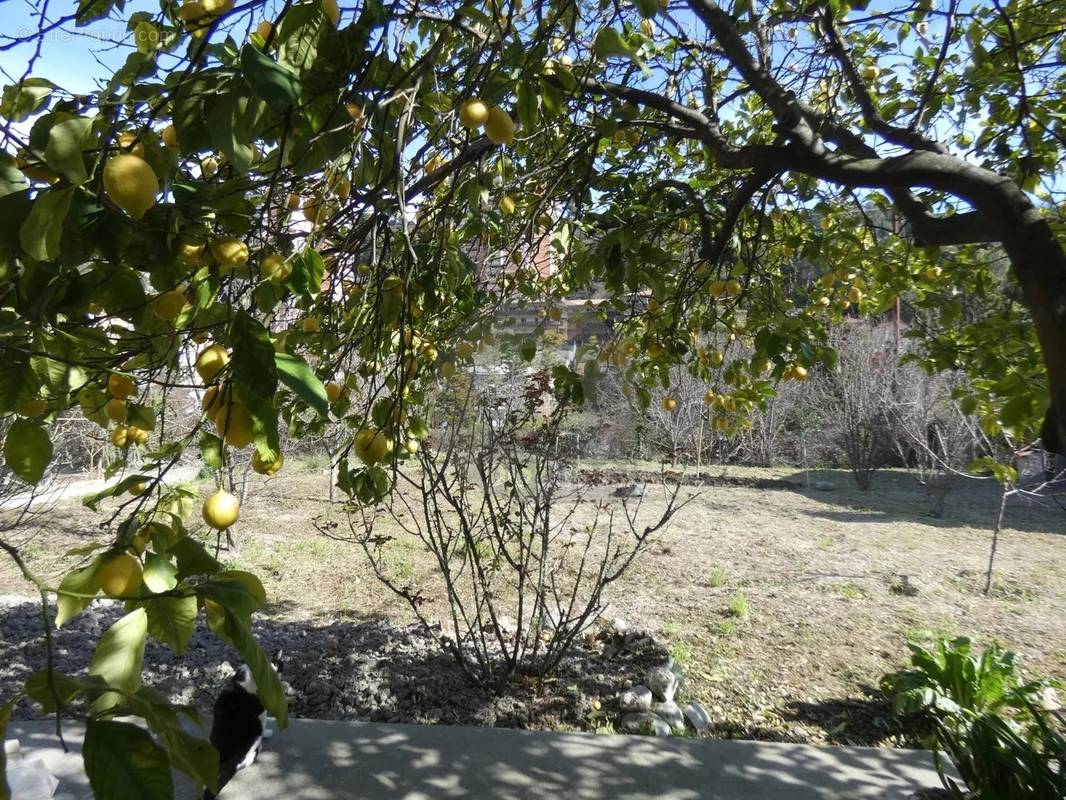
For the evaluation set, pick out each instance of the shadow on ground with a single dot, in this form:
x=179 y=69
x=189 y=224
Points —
x=346 y=670
x=895 y=496
x=326 y=761
x=865 y=720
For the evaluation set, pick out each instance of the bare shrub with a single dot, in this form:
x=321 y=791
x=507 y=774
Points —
x=933 y=438
x=522 y=555
x=854 y=396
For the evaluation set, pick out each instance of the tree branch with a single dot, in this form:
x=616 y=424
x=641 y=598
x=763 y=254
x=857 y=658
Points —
x=870 y=114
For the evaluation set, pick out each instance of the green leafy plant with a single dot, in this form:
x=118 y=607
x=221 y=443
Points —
x=996 y=729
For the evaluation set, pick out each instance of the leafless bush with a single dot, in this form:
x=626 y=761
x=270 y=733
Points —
x=778 y=432
x=522 y=555
x=932 y=437
x=854 y=398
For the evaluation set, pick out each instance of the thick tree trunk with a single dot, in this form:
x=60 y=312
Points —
x=1039 y=264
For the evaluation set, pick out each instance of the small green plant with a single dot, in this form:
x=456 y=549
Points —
x=681 y=654
x=717 y=576
x=727 y=628
x=996 y=729
x=738 y=605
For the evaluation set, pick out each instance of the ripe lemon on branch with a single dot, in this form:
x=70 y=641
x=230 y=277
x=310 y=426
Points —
x=499 y=126
x=473 y=113
x=211 y=361
x=267 y=467
x=220 y=510
x=130 y=184
x=121 y=575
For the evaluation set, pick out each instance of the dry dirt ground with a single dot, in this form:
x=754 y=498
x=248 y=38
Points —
x=783 y=602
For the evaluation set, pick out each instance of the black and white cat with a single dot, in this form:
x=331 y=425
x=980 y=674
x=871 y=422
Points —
x=239 y=725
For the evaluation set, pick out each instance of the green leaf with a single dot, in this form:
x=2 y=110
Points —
x=143 y=416
x=12 y=180
x=237 y=632
x=123 y=762
x=528 y=109
x=647 y=8
x=45 y=687
x=40 y=233
x=527 y=349
x=84 y=581
x=193 y=756
x=27 y=450
x=609 y=42
x=23 y=99
x=65 y=151
x=159 y=573
x=307 y=272
x=211 y=450
x=118 y=656
x=295 y=373
x=256 y=373
x=193 y=558
x=93 y=500
x=172 y=620
x=271 y=81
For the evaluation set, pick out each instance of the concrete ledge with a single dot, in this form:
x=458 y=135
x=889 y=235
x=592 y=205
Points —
x=315 y=760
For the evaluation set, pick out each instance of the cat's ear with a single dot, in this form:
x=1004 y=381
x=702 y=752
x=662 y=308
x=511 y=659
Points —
x=278 y=659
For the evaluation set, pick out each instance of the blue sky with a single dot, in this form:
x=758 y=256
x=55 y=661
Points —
x=67 y=54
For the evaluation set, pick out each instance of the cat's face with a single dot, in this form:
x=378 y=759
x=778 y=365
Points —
x=244 y=679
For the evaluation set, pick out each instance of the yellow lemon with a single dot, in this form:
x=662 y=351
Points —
x=499 y=126
x=267 y=467
x=130 y=184
x=370 y=446
x=191 y=248
x=221 y=510
x=212 y=402
x=169 y=304
x=275 y=268
x=136 y=435
x=333 y=391
x=230 y=252
x=234 y=423
x=115 y=409
x=473 y=113
x=507 y=204
x=170 y=137
x=130 y=142
x=120 y=575
x=197 y=20
x=211 y=361
x=119 y=386
x=120 y=437
x=669 y=404
x=209 y=167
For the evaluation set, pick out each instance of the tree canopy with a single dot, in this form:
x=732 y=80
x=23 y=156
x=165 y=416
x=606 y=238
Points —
x=304 y=212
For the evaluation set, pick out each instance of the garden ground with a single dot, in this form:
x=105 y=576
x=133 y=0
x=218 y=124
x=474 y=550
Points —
x=783 y=600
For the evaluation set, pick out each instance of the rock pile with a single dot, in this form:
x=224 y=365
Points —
x=658 y=708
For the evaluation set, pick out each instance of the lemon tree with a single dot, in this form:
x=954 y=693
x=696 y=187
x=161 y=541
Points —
x=305 y=214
